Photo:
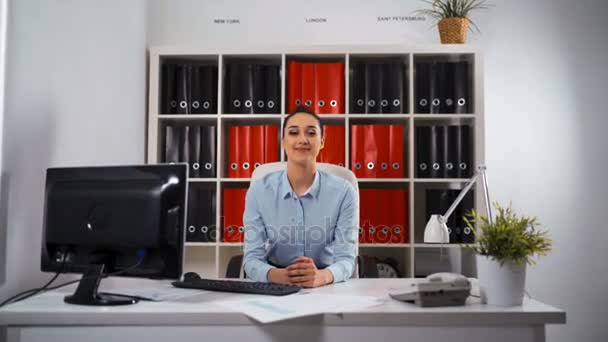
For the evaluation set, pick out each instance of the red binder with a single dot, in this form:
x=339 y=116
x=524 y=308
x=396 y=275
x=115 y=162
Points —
x=257 y=146
x=294 y=85
x=383 y=214
x=271 y=143
x=329 y=79
x=234 y=158
x=370 y=152
x=308 y=85
x=246 y=151
x=375 y=217
x=399 y=216
x=339 y=136
x=396 y=147
x=381 y=133
x=234 y=206
x=356 y=150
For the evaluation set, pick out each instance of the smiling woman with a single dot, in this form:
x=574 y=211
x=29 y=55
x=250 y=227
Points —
x=300 y=223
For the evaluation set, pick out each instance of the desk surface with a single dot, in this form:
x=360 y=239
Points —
x=50 y=310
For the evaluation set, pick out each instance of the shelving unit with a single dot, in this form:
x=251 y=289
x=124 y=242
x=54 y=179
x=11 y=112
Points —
x=414 y=258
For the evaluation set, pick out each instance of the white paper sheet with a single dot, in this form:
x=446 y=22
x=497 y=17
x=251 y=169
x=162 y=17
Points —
x=272 y=309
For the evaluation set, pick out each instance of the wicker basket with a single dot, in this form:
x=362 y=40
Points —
x=453 y=30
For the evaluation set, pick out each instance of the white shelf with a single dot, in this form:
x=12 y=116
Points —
x=439 y=245
x=212 y=258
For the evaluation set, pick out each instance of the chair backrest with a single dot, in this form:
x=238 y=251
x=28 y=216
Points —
x=331 y=169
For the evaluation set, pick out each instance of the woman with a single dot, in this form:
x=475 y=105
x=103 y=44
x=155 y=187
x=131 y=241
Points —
x=300 y=223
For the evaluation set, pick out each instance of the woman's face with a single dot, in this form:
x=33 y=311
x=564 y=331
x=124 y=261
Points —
x=302 y=139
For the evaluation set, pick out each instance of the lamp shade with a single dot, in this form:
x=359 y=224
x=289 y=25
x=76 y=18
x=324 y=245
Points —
x=436 y=230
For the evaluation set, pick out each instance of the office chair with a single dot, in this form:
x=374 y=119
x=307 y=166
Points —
x=365 y=267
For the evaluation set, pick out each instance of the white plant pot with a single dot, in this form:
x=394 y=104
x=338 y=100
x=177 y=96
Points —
x=500 y=285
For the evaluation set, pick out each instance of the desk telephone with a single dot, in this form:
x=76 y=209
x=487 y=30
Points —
x=438 y=289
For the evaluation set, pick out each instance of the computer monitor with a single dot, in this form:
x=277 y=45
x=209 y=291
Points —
x=114 y=220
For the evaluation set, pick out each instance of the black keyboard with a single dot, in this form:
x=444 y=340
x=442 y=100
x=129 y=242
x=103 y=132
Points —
x=237 y=286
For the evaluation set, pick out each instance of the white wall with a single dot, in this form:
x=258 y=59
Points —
x=545 y=113
x=75 y=95
x=76 y=68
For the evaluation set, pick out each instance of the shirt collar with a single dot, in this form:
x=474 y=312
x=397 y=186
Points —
x=286 y=189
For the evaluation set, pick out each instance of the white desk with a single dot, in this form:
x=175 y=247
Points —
x=47 y=318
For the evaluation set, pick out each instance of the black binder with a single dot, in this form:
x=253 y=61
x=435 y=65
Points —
x=436 y=151
x=447 y=98
x=193 y=218
x=259 y=89
x=172 y=144
x=466 y=234
x=208 y=151
x=435 y=87
x=423 y=139
x=422 y=86
x=450 y=140
x=462 y=87
x=438 y=202
x=194 y=151
x=392 y=99
x=200 y=223
x=208 y=229
x=273 y=89
x=183 y=89
x=357 y=89
x=464 y=151
x=239 y=89
x=207 y=83
x=373 y=84
x=168 y=87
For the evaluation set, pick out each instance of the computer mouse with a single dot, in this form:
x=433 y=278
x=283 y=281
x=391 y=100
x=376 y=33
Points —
x=191 y=276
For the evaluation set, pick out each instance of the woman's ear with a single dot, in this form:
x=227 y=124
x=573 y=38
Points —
x=322 y=143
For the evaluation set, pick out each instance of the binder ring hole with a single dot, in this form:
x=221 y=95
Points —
x=236 y=103
x=436 y=166
x=260 y=104
x=385 y=230
x=230 y=229
x=246 y=166
x=436 y=102
x=270 y=104
x=341 y=164
x=358 y=166
x=206 y=105
x=384 y=103
x=183 y=104
x=298 y=102
x=248 y=104
x=208 y=166
x=449 y=102
x=204 y=229
x=370 y=166
x=196 y=105
x=423 y=102
x=321 y=103
x=241 y=229
x=384 y=166
x=191 y=229
x=234 y=166
x=396 y=166
x=396 y=102
x=196 y=166
x=256 y=165
x=372 y=230
x=462 y=102
x=173 y=104
x=360 y=102
x=333 y=103
x=449 y=166
x=467 y=230
x=397 y=230
x=308 y=103
x=371 y=103
x=423 y=166
x=463 y=166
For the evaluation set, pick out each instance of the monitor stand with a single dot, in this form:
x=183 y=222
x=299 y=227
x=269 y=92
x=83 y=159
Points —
x=86 y=293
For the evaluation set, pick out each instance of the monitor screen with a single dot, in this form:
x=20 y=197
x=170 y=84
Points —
x=120 y=219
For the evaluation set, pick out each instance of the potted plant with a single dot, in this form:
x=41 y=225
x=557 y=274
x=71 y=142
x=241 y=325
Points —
x=504 y=247
x=453 y=17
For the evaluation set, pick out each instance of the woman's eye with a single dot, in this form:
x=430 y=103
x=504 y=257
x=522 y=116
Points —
x=293 y=133
x=312 y=133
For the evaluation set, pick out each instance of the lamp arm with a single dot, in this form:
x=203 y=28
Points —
x=481 y=171
x=461 y=195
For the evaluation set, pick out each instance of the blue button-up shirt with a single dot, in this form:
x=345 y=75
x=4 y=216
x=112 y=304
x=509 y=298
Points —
x=281 y=226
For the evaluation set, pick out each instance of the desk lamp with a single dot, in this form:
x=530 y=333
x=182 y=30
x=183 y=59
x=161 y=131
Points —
x=436 y=230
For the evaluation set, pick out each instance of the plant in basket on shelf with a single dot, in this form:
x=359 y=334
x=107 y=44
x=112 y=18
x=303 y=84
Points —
x=453 y=17
x=504 y=247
